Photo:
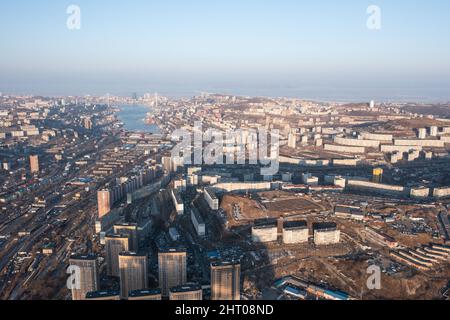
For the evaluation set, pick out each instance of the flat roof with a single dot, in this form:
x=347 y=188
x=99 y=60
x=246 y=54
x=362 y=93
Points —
x=265 y=223
x=132 y=254
x=348 y=209
x=197 y=215
x=173 y=250
x=300 y=224
x=186 y=288
x=224 y=263
x=177 y=196
x=143 y=293
x=323 y=226
x=211 y=193
x=116 y=236
x=126 y=224
x=88 y=257
x=101 y=294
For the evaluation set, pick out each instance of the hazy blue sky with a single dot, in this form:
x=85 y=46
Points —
x=321 y=47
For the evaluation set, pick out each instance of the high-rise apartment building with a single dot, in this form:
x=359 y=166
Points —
x=167 y=163
x=377 y=175
x=34 y=164
x=131 y=230
x=172 y=269
x=103 y=296
x=133 y=272
x=85 y=275
x=114 y=245
x=225 y=280
x=186 y=292
x=103 y=202
x=146 y=294
x=292 y=140
x=87 y=123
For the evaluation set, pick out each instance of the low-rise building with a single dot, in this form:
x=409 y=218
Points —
x=349 y=212
x=295 y=232
x=265 y=230
x=326 y=233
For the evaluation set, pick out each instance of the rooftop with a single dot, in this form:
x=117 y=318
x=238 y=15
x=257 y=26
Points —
x=173 y=250
x=186 y=288
x=324 y=226
x=101 y=294
x=265 y=223
x=88 y=257
x=301 y=224
x=224 y=263
x=143 y=293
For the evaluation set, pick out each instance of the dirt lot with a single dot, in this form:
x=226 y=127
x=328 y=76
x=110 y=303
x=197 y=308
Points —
x=268 y=205
x=351 y=276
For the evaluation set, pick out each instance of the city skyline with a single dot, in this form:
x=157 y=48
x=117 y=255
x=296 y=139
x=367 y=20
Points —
x=289 y=48
x=245 y=153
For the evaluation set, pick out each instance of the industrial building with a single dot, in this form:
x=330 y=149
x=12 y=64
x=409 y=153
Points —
x=295 y=232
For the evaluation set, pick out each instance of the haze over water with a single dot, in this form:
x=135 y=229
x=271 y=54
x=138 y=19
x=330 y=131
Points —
x=133 y=117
